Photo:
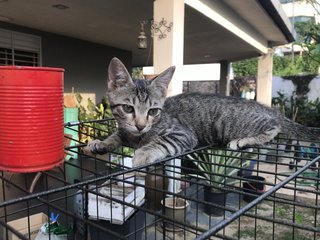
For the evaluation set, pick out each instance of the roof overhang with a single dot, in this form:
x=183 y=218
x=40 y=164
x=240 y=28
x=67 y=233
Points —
x=232 y=30
x=215 y=30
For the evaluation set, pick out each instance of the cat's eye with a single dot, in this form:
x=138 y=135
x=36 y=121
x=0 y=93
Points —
x=153 y=111
x=127 y=108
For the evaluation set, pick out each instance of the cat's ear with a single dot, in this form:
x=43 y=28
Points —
x=118 y=75
x=161 y=82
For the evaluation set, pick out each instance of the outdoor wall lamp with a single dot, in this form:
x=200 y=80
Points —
x=159 y=29
x=142 y=38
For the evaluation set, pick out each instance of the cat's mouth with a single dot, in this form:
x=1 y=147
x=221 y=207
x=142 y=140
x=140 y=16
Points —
x=136 y=131
x=142 y=131
x=139 y=131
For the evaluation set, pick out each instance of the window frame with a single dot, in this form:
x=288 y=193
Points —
x=20 y=49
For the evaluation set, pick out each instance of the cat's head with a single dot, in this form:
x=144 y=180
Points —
x=136 y=104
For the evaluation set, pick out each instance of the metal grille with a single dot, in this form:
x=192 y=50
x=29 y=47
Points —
x=272 y=193
x=19 y=49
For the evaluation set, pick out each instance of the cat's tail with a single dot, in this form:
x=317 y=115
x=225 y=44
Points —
x=299 y=131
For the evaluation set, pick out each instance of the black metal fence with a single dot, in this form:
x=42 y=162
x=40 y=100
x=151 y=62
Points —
x=208 y=193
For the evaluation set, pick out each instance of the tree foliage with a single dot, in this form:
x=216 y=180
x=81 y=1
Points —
x=309 y=39
x=282 y=66
x=308 y=62
x=286 y=65
x=245 y=68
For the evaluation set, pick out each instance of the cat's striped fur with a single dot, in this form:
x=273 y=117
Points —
x=158 y=127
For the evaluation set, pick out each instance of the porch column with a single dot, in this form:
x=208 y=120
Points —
x=264 y=78
x=224 y=83
x=168 y=51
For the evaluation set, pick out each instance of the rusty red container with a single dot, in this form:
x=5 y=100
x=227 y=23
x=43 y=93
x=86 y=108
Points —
x=31 y=113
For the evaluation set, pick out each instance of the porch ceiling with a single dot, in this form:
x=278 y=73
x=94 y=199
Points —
x=116 y=23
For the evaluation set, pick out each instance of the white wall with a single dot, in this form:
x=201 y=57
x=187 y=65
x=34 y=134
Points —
x=282 y=85
x=194 y=72
x=287 y=87
x=299 y=9
x=314 y=87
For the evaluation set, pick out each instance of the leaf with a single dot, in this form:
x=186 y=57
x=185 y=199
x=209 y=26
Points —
x=91 y=107
x=78 y=97
x=219 y=166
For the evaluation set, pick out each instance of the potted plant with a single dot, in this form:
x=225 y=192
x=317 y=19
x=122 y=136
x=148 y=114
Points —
x=218 y=168
x=94 y=112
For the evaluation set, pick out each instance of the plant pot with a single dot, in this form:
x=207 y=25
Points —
x=253 y=187
x=218 y=198
x=155 y=179
x=175 y=209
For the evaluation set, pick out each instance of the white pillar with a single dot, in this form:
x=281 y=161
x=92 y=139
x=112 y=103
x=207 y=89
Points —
x=173 y=171
x=169 y=51
x=264 y=78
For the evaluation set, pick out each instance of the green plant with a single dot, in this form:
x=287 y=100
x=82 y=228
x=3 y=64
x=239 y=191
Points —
x=288 y=107
x=218 y=166
x=282 y=66
x=309 y=32
x=288 y=66
x=298 y=108
x=281 y=212
x=299 y=218
x=245 y=68
x=92 y=111
x=95 y=130
x=286 y=213
x=137 y=73
x=251 y=232
x=122 y=152
x=289 y=236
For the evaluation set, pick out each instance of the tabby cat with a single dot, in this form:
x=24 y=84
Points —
x=158 y=127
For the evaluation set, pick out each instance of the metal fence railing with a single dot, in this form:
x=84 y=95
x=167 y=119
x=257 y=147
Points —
x=270 y=192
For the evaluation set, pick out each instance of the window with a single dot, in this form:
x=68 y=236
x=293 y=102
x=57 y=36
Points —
x=301 y=19
x=19 y=49
x=286 y=1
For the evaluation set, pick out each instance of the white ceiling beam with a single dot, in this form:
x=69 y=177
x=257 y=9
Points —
x=218 y=12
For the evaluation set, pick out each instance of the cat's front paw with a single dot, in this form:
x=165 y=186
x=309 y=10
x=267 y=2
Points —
x=141 y=158
x=239 y=144
x=234 y=144
x=96 y=147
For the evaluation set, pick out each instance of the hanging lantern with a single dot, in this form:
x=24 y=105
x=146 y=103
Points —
x=142 y=38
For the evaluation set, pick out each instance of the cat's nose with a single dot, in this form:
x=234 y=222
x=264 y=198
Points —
x=140 y=127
